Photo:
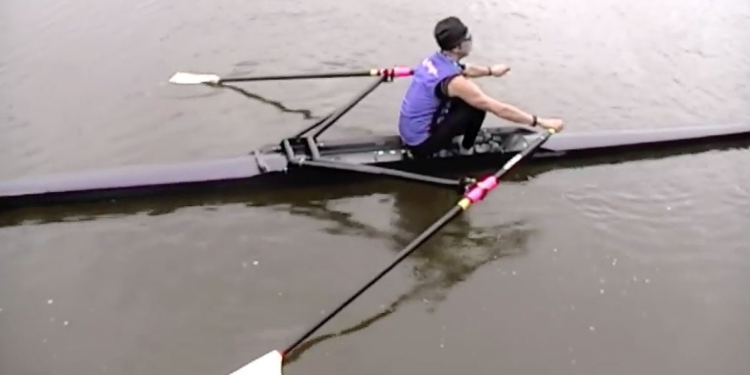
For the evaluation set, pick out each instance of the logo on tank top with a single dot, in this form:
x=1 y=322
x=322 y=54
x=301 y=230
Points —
x=427 y=64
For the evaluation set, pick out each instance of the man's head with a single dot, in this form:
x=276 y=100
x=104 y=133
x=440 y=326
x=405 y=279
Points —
x=453 y=36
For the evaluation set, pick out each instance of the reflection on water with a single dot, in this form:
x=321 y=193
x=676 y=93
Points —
x=442 y=262
x=306 y=113
x=458 y=249
x=437 y=274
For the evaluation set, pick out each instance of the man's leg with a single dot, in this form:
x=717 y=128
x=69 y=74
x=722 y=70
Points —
x=471 y=119
x=460 y=118
x=440 y=138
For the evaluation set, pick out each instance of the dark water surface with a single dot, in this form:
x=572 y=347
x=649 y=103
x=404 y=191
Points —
x=632 y=268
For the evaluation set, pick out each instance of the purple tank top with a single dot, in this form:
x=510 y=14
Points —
x=420 y=101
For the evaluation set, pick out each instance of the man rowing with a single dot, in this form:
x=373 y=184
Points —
x=442 y=102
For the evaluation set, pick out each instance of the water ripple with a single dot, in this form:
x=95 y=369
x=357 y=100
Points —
x=686 y=210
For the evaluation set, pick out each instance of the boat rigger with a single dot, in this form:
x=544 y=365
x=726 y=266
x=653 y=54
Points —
x=304 y=159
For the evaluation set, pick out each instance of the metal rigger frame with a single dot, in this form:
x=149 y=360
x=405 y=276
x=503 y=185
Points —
x=313 y=159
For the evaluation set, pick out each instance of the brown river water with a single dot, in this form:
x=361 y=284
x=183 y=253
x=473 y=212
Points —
x=639 y=267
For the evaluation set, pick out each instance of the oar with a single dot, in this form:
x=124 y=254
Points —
x=272 y=362
x=185 y=78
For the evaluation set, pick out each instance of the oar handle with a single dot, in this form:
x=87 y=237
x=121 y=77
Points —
x=478 y=191
x=531 y=148
x=395 y=72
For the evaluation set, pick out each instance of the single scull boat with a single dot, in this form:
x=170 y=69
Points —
x=303 y=159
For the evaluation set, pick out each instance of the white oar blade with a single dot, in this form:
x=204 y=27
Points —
x=182 y=78
x=269 y=364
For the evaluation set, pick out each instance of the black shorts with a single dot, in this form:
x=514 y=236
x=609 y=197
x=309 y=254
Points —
x=455 y=117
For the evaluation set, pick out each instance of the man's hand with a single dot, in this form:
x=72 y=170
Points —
x=499 y=70
x=551 y=123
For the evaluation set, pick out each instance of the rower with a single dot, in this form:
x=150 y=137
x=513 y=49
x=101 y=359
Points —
x=442 y=102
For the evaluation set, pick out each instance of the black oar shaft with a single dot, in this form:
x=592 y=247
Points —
x=295 y=77
x=474 y=195
x=455 y=211
x=393 y=72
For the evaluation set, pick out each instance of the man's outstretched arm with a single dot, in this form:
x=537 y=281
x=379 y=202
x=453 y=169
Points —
x=476 y=71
